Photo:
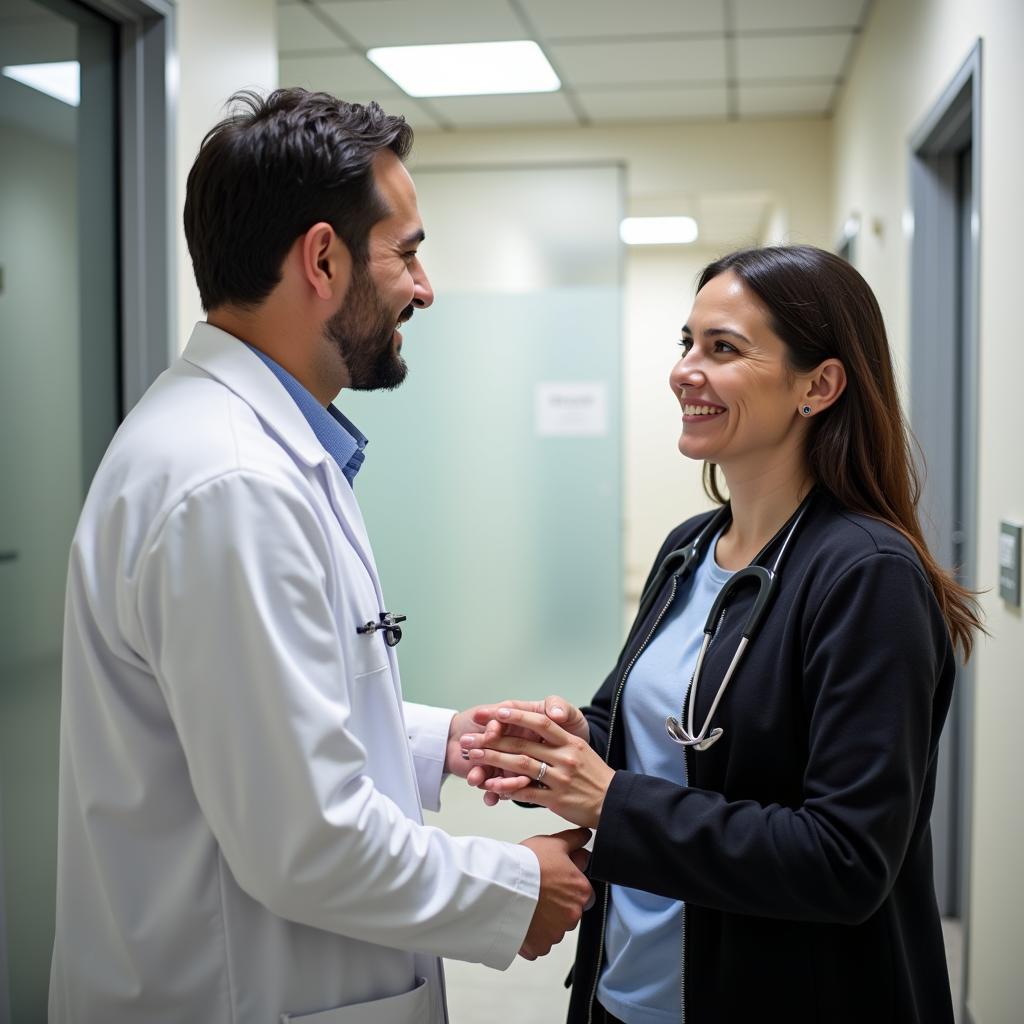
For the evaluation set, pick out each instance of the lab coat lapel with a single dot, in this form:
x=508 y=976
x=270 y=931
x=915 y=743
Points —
x=230 y=361
x=350 y=518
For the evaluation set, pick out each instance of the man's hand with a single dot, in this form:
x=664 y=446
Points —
x=455 y=762
x=564 y=889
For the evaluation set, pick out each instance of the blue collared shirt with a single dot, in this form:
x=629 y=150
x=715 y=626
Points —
x=338 y=434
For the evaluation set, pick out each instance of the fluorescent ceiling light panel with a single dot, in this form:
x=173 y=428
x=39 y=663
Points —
x=658 y=230
x=467 y=69
x=59 y=80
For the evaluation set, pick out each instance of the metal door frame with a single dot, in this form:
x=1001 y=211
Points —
x=148 y=100
x=937 y=320
x=147 y=289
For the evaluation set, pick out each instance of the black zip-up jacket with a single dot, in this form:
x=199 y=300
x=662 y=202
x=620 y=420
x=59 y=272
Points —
x=801 y=844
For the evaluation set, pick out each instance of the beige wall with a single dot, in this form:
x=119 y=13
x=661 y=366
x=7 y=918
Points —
x=787 y=160
x=661 y=487
x=222 y=47
x=909 y=52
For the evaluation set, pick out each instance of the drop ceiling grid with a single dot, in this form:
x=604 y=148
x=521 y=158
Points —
x=645 y=60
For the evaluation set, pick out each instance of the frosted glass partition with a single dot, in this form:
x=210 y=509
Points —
x=492 y=488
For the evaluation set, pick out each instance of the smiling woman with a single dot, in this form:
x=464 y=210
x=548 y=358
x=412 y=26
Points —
x=789 y=839
x=739 y=395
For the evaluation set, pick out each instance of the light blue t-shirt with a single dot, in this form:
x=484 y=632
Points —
x=642 y=983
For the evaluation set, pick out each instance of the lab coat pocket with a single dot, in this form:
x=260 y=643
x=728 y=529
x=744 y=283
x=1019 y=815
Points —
x=376 y=715
x=411 y=1007
x=367 y=658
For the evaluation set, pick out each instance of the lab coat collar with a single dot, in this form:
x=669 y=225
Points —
x=228 y=360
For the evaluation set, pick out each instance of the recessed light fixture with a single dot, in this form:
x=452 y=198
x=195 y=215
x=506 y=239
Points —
x=59 y=79
x=658 y=230
x=467 y=69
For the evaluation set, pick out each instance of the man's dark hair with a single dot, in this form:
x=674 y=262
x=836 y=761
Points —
x=269 y=171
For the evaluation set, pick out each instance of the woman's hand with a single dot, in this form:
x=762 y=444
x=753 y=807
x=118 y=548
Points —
x=574 y=780
x=556 y=708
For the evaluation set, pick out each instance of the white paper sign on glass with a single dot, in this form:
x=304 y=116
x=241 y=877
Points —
x=571 y=409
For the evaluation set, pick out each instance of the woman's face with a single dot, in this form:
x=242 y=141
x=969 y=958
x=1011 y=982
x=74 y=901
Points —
x=741 y=404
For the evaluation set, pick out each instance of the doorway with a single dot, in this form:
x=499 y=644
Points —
x=85 y=326
x=945 y=173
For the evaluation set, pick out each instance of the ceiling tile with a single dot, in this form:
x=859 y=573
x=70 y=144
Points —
x=782 y=100
x=667 y=62
x=586 y=18
x=655 y=104
x=792 y=57
x=756 y=15
x=298 y=28
x=483 y=111
x=340 y=82
x=346 y=75
x=419 y=118
x=403 y=22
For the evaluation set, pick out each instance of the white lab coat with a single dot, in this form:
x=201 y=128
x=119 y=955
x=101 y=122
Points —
x=241 y=782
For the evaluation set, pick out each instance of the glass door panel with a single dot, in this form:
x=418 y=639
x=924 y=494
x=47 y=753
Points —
x=492 y=488
x=58 y=409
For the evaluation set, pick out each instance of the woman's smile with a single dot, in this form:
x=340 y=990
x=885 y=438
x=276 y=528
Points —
x=697 y=411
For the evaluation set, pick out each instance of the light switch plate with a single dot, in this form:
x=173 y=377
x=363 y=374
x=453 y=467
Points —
x=1009 y=562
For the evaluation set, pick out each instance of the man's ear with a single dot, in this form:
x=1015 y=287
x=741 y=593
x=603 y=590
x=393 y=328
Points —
x=825 y=383
x=325 y=261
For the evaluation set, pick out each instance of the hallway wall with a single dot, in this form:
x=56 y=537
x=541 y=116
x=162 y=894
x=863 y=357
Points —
x=666 y=164
x=909 y=52
x=222 y=47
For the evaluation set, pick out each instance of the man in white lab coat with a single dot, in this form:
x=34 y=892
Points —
x=241 y=781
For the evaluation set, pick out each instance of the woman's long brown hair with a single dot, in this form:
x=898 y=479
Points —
x=859 y=448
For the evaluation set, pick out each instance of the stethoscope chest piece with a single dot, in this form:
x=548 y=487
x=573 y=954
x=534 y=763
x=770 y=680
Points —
x=680 y=735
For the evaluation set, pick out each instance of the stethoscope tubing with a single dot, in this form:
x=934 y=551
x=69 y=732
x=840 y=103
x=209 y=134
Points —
x=767 y=582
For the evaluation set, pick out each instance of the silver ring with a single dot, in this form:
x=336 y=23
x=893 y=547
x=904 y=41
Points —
x=542 y=772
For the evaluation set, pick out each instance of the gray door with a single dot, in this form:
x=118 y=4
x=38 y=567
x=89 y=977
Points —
x=943 y=400
x=58 y=408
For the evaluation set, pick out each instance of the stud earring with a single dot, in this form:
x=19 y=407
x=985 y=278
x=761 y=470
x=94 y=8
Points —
x=806 y=410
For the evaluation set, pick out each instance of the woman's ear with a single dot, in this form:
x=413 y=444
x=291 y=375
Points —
x=326 y=261
x=824 y=385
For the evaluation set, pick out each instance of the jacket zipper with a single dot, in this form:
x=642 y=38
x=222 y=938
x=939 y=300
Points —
x=611 y=727
x=686 y=782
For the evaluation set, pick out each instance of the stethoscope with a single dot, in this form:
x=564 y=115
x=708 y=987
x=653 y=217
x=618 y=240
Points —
x=685 y=559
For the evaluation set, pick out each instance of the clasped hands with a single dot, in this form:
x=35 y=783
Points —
x=501 y=749
x=536 y=751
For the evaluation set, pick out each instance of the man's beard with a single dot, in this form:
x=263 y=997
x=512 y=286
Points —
x=363 y=331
